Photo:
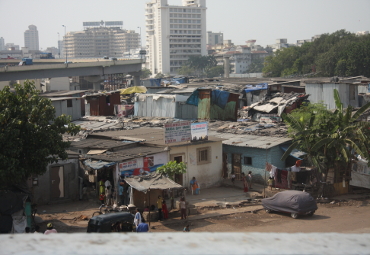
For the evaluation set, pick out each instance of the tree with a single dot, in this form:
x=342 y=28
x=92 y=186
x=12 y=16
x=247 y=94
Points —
x=330 y=139
x=145 y=73
x=185 y=70
x=31 y=135
x=172 y=168
x=256 y=66
x=214 y=71
x=201 y=63
x=159 y=76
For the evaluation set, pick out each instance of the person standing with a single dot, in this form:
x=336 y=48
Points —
x=50 y=229
x=245 y=183
x=159 y=206
x=249 y=179
x=233 y=178
x=194 y=186
x=121 y=195
x=164 y=210
x=183 y=208
x=137 y=219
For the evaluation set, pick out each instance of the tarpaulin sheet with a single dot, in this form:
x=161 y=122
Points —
x=98 y=164
x=155 y=82
x=261 y=86
x=152 y=181
x=179 y=80
x=220 y=98
x=132 y=90
x=294 y=153
x=360 y=180
x=194 y=98
x=292 y=201
x=11 y=202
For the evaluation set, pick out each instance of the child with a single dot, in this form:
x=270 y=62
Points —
x=101 y=198
x=164 y=210
x=270 y=182
x=186 y=228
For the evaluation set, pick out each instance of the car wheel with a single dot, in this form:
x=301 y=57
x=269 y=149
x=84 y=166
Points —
x=268 y=210
x=294 y=215
x=311 y=213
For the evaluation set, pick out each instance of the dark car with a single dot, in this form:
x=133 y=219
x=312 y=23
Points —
x=291 y=201
x=111 y=222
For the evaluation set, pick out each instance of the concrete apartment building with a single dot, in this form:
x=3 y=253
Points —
x=31 y=38
x=2 y=43
x=97 y=41
x=214 y=38
x=173 y=33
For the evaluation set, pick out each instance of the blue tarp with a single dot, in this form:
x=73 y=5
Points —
x=179 y=80
x=261 y=86
x=220 y=98
x=98 y=164
x=155 y=82
x=194 y=98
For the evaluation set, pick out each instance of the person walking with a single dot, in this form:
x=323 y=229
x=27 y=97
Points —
x=159 y=206
x=194 y=186
x=50 y=229
x=183 y=208
x=121 y=195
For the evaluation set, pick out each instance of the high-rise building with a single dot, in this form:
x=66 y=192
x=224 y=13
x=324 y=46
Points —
x=214 y=38
x=173 y=33
x=31 y=38
x=97 y=42
x=2 y=43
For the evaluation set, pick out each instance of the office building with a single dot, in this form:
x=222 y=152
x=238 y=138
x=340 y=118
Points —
x=173 y=33
x=97 y=41
x=31 y=38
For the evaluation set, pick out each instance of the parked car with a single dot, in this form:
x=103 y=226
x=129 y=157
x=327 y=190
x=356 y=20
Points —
x=111 y=222
x=291 y=201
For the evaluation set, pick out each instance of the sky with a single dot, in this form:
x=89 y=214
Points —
x=239 y=20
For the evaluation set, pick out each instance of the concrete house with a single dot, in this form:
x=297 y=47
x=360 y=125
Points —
x=60 y=182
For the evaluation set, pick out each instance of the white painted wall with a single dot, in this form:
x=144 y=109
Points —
x=207 y=175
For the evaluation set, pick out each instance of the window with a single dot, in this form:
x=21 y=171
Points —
x=204 y=155
x=69 y=103
x=248 y=161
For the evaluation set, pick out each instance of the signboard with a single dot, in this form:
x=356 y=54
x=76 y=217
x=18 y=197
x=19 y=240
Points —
x=177 y=132
x=199 y=131
x=144 y=165
x=132 y=164
x=114 y=23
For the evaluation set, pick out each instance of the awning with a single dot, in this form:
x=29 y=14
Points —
x=98 y=164
x=295 y=153
x=151 y=181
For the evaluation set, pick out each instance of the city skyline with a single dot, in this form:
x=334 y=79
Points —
x=239 y=20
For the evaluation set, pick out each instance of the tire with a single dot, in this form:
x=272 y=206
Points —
x=294 y=215
x=311 y=213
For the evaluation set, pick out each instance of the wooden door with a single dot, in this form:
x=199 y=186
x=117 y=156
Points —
x=237 y=166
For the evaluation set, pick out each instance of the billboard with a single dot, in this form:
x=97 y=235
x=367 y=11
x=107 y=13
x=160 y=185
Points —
x=177 y=132
x=114 y=23
x=199 y=131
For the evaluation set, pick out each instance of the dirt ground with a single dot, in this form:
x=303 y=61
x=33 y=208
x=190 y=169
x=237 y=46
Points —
x=348 y=216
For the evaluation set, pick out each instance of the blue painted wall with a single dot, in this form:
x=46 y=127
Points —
x=259 y=158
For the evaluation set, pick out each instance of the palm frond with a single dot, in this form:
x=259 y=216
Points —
x=289 y=150
x=361 y=111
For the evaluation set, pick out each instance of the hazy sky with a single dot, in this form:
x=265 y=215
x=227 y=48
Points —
x=239 y=20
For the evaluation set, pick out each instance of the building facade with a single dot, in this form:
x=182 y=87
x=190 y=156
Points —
x=173 y=33
x=214 y=38
x=31 y=38
x=98 y=42
x=2 y=43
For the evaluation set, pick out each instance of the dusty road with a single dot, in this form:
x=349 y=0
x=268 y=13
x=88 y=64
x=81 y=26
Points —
x=351 y=216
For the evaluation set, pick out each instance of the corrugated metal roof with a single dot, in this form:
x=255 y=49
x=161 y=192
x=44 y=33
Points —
x=62 y=93
x=99 y=125
x=251 y=141
x=93 y=143
x=127 y=154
